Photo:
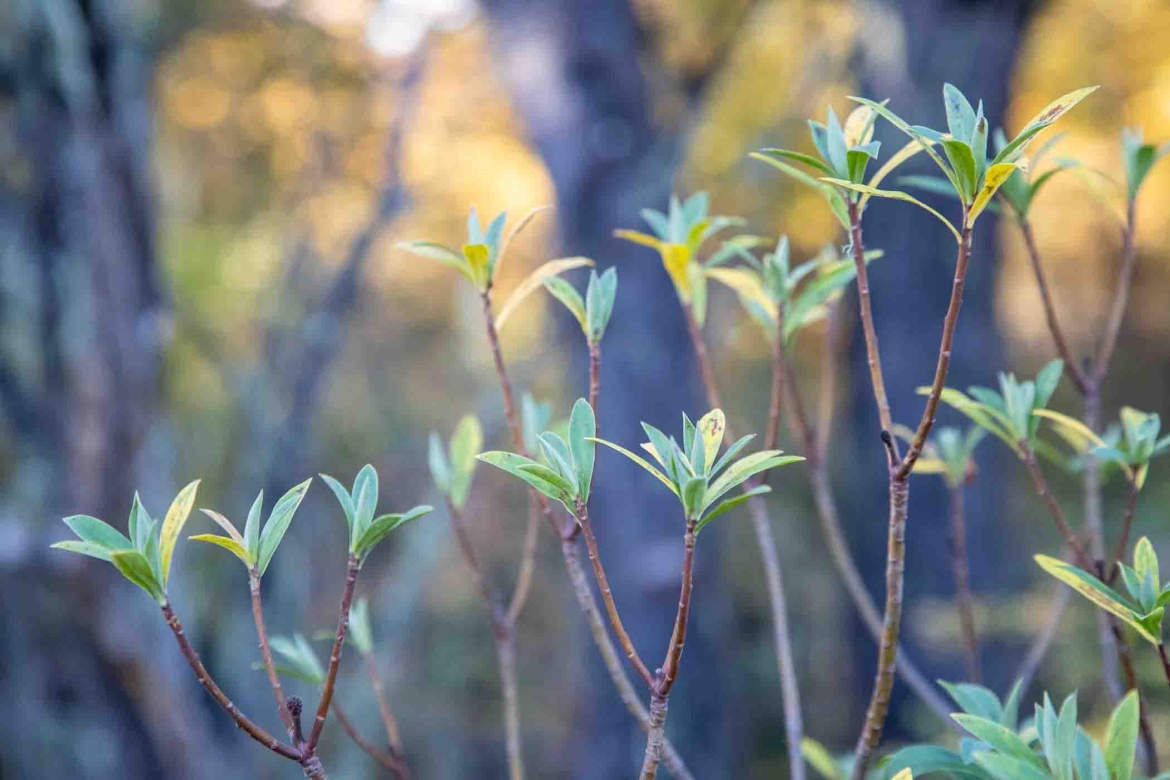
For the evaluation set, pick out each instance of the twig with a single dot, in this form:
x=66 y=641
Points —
x=1071 y=364
x=765 y=541
x=607 y=597
x=388 y=719
x=666 y=676
x=899 y=486
x=527 y=564
x=595 y=378
x=966 y=603
x=1041 y=486
x=1165 y=662
x=351 y=573
x=1121 y=296
x=266 y=651
x=835 y=336
x=387 y=761
x=205 y=679
x=1123 y=540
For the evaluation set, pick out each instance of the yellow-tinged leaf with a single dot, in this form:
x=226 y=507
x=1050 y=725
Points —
x=746 y=283
x=859 y=126
x=515 y=231
x=929 y=466
x=639 y=238
x=231 y=545
x=1059 y=107
x=534 y=280
x=226 y=525
x=676 y=258
x=637 y=459
x=996 y=176
x=478 y=256
x=905 y=774
x=650 y=448
x=1139 y=477
x=894 y=195
x=901 y=156
x=173 y=524
x=711 y=427
x=1095 y=591
x=819 y=759
x=1070 y=425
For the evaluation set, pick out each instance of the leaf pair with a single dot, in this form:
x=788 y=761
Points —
x=1140 y=157
x=696 y=473
x=593 y=311
x=1142 y=609
x=359 y=505
x=254 y=547
x=1012 y=413
x=452 y=470
x=144 y=558
x=566 y=475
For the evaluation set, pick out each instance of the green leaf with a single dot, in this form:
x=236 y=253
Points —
x=963 y=161
x=927 y=759
x=1121 y=737
x=567 y=294
x=800 y=157
x=711 y=428
x=277 y=525
x=442 y=254
x=692 y=496
x=935 y=185
x=381 y=527
x=437 y=463
x=141 y=526
x=232 y=532
x=303 y=663
x=836 y=144
x=974 y=699
x=1005 y=767
x=731 y=452
x=960 y=115
x=539 y=477
x=95 y=532
x=820 y=759
x=84 y=548
x=745 y=469
x=599 y=298
x=466 y=443
x=251 y=540
x=534 y=418
x=343 y=498
x=640 y=461
x=365 y=500
x=556 y=453
x=1097 y=592
x=1045 y=118
x=227 y=543
x=731 y=503
x=173 y=525
x=827 y=192
x=360 y=632
x=1002 y=739
x=924 y=142
x=896 y=195
x=534 y=280
x=1145 y=562
x=582 y=429
x=136 y=568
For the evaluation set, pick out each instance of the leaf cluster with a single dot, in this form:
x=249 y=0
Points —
x=453 y=468
x=360 y=504
x=594 y=310
x=254 y=547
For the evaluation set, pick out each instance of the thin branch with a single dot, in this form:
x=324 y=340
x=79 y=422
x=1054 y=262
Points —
x=595 y=378
x=527 y=563
x=388 y=719
x=872 y=350
x=204 y=677
x=963 y=597
x=351 y=572
x=1165 y=662
x=1123 y=540
x=836 y=337
x=1041 y=486
x=1121 y=297
x=1071 y=364
x=266 y=652
x=611 y=609
x=387 y=761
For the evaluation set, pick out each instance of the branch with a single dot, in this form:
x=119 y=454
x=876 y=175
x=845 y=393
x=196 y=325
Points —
x=1041 y=485
x=266 y=653
x=388 y=719
x=1123 y=540
x=387 y=761
x=1121 y=297
x=963 y=597
x=351 y=572
x=204 y=677
x=1072 y=366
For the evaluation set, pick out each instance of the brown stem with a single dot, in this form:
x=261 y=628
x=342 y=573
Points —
x=835 y=338
x=776 y=394
x=963 y=597
x=204 y=677
x=1165 y=664
x=266 y=652
x=351 y=573
x=611 y=609
x=391 y=763
x=1040 y=484
x=1071 y=364
x=655 y=737
x=879 y=703
x=950 y=324
x=1123 y=540
x=1121 y=297
x=612 y=660
x=1125 y=656
x=527 y=563
x=388 y=720
x=872 y=350
x=595 y=378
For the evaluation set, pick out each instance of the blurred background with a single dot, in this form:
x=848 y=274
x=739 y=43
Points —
x=198 y=208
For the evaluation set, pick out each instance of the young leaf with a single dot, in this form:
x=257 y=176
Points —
x=731 y=503
x=1002 y=739
x=1121 y=737
x=437 y=463
x=896 y=195
x=731 y=452
x=524 y=222
x=711 y=428
x=136 y=568
x=567 y=294
x=963 y=162
x=84 y=548
x=1097 y=592
x=303 y=662
x=343 y=498
x=359 y=626
x=380 y=528
x=534 y=280
x=173 y=525
x=95 y=532
x=599 y=298
x=692 y=496
x=227 y=543
x=251 y=540
x=1050 y=114
x=539 y=477
x=996 y=175
x=277 y=525
x=974 y=700
x=227 y=526
x=442 y=254
x=582 y=429
x=365 y=500
x=746 y=283
x=466 y=443
x=800 y=157
x=640 y=461
x=745 y=469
